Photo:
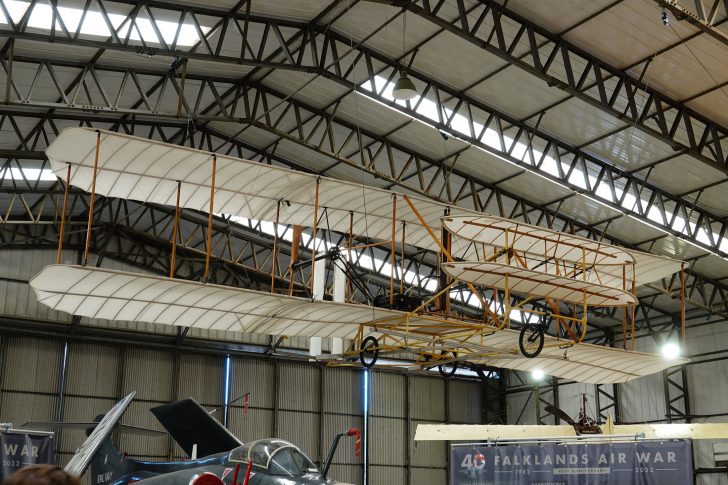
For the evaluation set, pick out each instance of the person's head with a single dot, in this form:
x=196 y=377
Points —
x=41 y=475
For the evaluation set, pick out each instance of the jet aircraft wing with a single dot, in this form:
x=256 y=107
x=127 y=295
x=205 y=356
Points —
x=189 y=424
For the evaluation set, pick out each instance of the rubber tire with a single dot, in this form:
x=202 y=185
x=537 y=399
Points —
x=445 y=373
x=364 y=346
x=522 y=337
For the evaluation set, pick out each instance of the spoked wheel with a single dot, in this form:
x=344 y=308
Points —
x=531 y=340
x=444 y=371
x=369 y=351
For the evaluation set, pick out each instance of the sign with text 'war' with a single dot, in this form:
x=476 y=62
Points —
x=633 y=463
x=19 y=449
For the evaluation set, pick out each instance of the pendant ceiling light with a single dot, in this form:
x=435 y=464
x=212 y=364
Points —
x=404 y=89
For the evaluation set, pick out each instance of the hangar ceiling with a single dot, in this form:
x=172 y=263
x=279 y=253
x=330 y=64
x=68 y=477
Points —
x=587 y=117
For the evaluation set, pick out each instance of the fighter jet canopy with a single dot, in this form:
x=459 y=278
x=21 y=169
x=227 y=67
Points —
x=277 y=456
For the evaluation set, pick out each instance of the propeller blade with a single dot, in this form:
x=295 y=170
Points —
x=124 y=428
x=559 y=414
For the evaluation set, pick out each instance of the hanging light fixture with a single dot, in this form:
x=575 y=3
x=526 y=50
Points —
x=404 y=89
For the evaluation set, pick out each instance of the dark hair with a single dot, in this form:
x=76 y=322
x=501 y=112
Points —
x=42 y=475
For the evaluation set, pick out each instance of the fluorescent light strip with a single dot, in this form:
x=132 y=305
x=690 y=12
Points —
x=460 y=125
x=94 y=24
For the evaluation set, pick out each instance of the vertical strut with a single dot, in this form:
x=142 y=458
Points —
x=313 y=238
x=275 y=248
x=351 y=241
x=209 y=220
x=63 y=214
x=93 y=199
x=682 y=303
x=175 y=232
x=401 y=261
x=624 y=310
x=634 y=292
x=393 y=256
x=295 y=243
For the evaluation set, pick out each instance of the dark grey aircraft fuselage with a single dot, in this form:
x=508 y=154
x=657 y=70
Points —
x=184 y=472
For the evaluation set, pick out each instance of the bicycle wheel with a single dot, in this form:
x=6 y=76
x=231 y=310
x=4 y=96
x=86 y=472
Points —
x=444 y=371
x=531 y=340
x=369 y=351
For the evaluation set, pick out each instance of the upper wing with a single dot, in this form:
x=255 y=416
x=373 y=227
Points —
x=546 y=243
x=117 y=295
x=139 y=169
x=537 y=283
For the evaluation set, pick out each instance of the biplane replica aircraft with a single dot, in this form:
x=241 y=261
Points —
x=476 y=251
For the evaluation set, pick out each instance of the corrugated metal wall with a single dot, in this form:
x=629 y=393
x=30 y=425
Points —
x=30 y=380
x=401 y=402
x=304 y=403
x=285 y=398
x=643 y=400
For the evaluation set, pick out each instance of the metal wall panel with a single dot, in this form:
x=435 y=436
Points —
x=334 y=424
x=257 y=424
x=642 y=399
x=256 y=376
x=465 y=402
x=429 y=476
x=298 y=386
x=32 y=364
x=149 y=373
x=346 y=473
x=387 y=443
x=570 y=399
x=389 y=397
x=343 y=390
x=20 y=407
x=300 y=428
x=93 y=370
x=520 y=406
x=201 y=377
x=427 y=398
x=17 y=267
x=387 y=475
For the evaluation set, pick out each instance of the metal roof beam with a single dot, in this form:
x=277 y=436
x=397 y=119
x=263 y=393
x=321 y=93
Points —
x=701 y=18
x=709 y=293
x=581 y=75
x=229 y=105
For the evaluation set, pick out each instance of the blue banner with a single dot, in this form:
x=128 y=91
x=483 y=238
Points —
x=19 y=449
x=632 y=463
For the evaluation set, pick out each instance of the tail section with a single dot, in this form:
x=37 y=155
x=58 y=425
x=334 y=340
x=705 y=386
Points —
x=109 y=465
x=99 y=438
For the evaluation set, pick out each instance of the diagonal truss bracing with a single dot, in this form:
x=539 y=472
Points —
x=322 y=51
x=702 y=292
x=550 y=57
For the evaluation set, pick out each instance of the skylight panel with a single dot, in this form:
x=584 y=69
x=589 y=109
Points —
x=41 y=17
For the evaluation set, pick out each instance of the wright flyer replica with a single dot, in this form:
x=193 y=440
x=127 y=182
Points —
x=511 y=269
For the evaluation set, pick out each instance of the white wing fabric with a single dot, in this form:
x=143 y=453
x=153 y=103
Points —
x=117 y=295
x=546 y=243
x=522 y=281
x=145 y=170
x=136 y=168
